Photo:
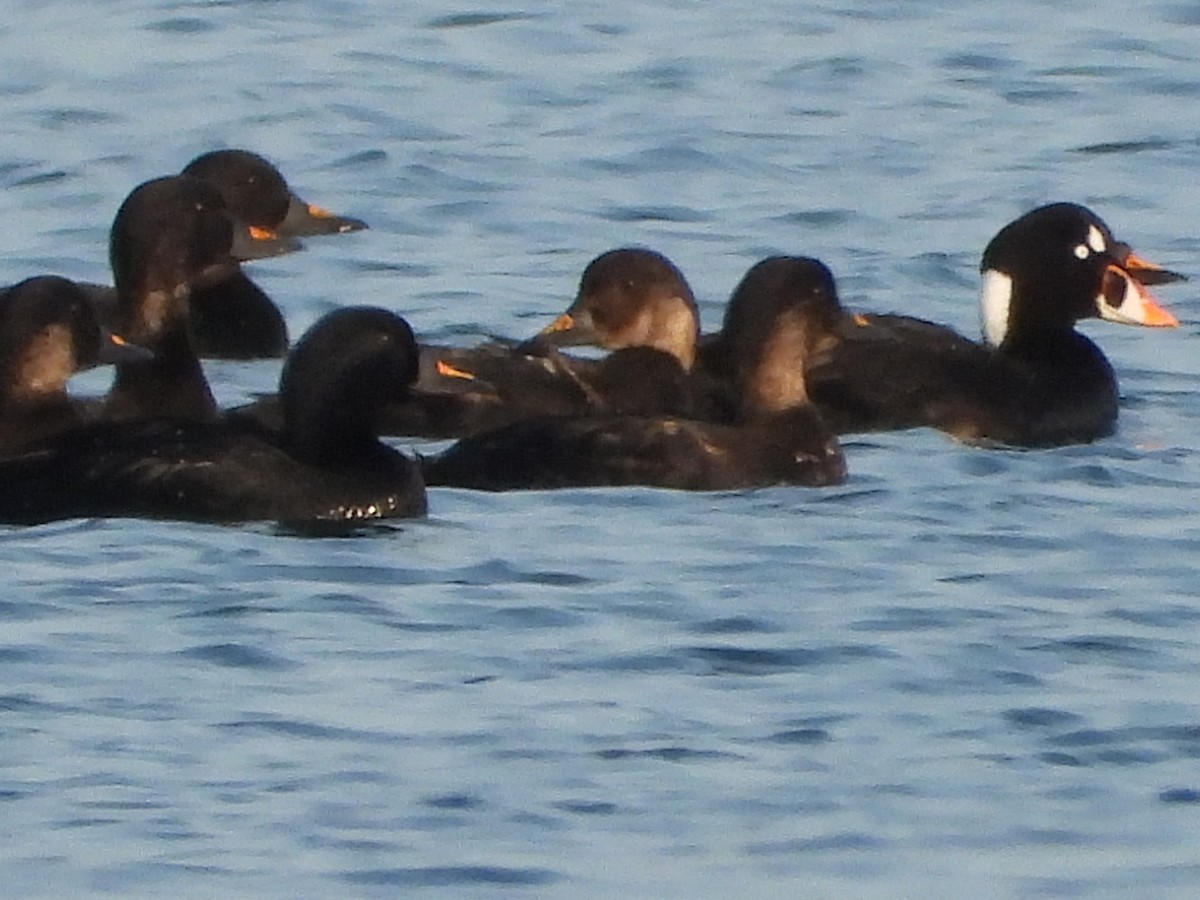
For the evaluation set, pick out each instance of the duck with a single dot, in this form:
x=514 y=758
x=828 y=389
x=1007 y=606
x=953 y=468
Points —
x=779 y=313
x=168 y=234
x=632 y=301
x=258 y=197
x=231 y=316
x=1033 y=381
x=48 y=333
x=326 y=468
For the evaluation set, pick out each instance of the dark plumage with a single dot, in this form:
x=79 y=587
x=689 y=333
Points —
x=777 y=316
x=230 y=316
x=326 y=467
x=168 y=234
x=48 y=332
x=1036 y=381
x=630 y=300
x=258 y=197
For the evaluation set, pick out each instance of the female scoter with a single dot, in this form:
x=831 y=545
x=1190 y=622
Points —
x=168 y=234
x=632 y=301
x=1036 y=381
x=48 y=332
x=779 y=314
x=326 y=467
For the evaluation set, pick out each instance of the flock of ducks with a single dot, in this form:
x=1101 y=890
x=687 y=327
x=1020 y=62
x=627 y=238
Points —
x=758 y=403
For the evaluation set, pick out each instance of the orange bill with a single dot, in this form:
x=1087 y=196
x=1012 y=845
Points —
x=562 y=323
x=1124 y=299
x=448 y=371
x=1146 y=272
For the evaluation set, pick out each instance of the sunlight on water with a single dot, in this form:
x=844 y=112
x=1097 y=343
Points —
x=963 y=673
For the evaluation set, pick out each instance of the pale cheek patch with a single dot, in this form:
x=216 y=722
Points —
x=777 y=381
x=671 y=327
x=995 y=299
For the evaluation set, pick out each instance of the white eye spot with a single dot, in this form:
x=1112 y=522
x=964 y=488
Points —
x=1082 y=251
x=1095 y=239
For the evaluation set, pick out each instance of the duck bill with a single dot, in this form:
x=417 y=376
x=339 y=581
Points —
x=309 y=220
x=252 y=242
x=1124 y=299
x=568 y=330
x=1143 y=271
x=114 y=350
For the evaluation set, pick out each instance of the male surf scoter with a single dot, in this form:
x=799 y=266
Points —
x=778 y=315
x=48 y=332
x=1035 y=381
x=326 y=467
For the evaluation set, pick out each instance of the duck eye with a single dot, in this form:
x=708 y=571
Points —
x=1082 y=251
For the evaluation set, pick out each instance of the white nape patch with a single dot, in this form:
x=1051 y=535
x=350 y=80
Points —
x=1096 y=240
x=995 y=298
x=1082 y=251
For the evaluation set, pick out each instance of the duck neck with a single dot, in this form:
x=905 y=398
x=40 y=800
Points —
x=772 y=380
x=325 y=436
x=676 y=330
x=170 y=385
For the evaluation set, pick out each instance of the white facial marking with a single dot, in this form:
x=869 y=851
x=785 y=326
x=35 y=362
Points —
x=995 y=297
x=1082 y=251
x=1132 y=308
x=1095 y=239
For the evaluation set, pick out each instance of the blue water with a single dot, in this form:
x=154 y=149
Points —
x=966 y=673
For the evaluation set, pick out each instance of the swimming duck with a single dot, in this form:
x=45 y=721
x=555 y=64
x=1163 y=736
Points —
x=258 y=196
x=778 y=315
x=48 y=332
x=231 y=317
x=169 y=234
x=326 y=467
x=1034 y=381
x=632 y=301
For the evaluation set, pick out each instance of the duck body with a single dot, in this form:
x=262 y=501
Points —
x=776 y=436
x=1063 y=391
x=204 y=472
x=608 y=451
x=1034 y=381
x=233 y=318
x=323 y=467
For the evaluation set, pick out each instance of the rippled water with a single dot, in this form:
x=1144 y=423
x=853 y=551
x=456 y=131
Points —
x=965 y=673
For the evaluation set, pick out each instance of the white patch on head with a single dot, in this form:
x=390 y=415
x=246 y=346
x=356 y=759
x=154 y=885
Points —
x=995 y=298
x=1096 y=240
x=1136 y=307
